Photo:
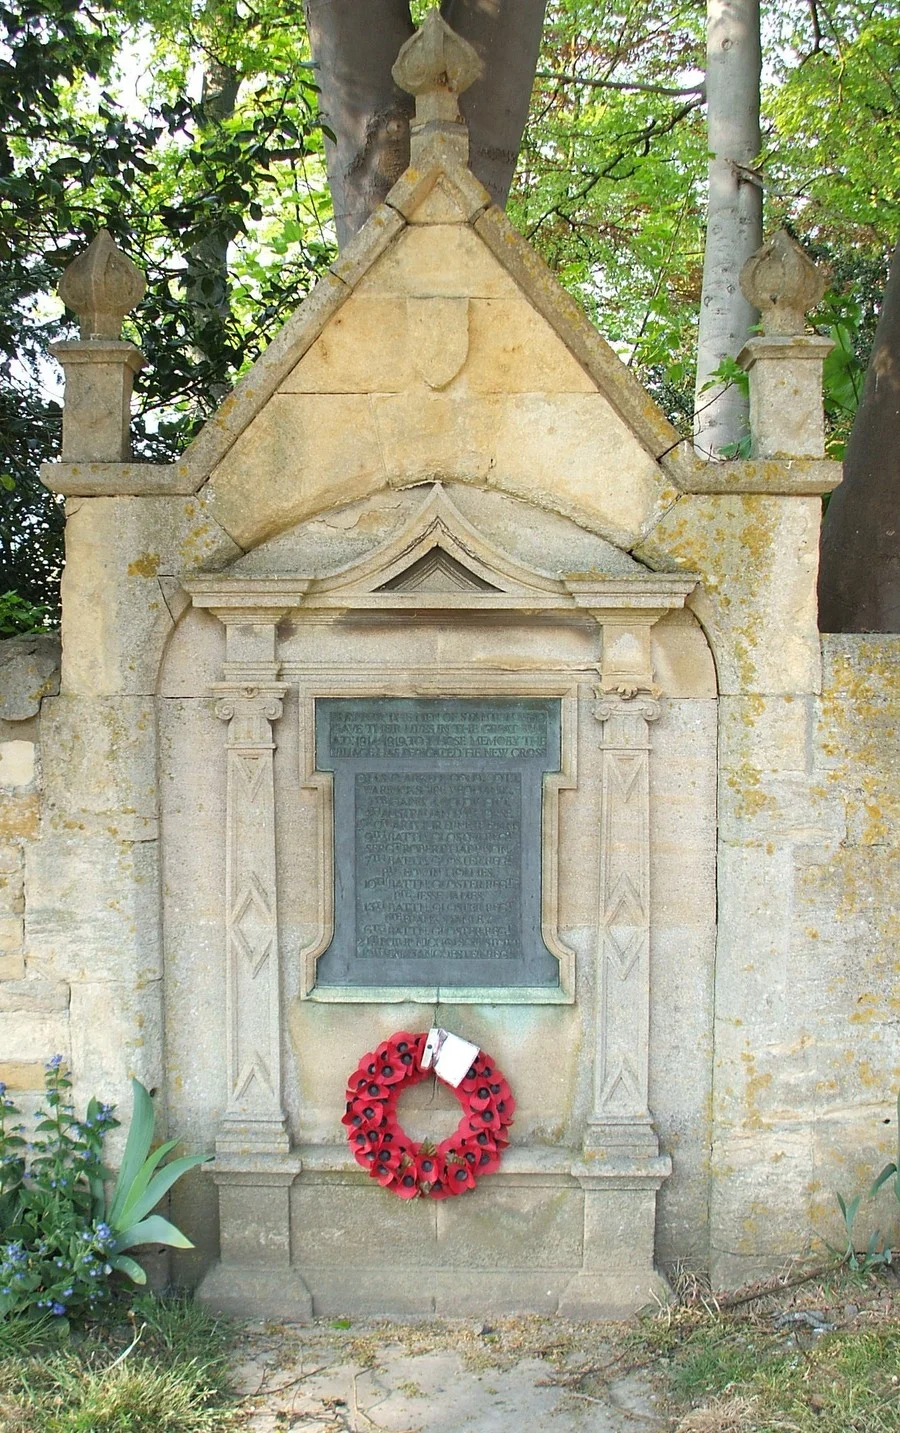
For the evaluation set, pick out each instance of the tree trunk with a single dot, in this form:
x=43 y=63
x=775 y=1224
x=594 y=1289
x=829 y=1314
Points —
x=355 y=43
x=734 y=219
x=859 y=576
x=206 y=276
x=507 y=36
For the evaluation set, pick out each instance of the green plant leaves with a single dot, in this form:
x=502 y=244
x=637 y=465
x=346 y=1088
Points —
x=152 y=1230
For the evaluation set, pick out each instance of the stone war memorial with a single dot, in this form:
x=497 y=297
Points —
x=440 y=685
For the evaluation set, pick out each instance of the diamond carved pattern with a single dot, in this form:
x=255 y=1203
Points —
x=252 y=924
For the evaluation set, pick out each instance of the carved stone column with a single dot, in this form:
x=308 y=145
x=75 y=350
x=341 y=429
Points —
x=622 y=1168
x=621 y=1112
x=626 y=705
x=254 y=1167
x=254 y=1118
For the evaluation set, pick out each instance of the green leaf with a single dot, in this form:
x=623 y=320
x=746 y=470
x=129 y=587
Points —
x=143 y=1177
x=162 y=1183
x=137 y=1147
x=152 y=1230
x=887 y=1173
x=123 y=1265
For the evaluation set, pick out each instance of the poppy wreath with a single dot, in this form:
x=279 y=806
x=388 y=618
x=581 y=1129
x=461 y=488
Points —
x=398 y=1163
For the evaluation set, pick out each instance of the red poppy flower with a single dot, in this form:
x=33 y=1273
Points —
x=430 y=1168
x=481 y=1098
x=483 y=1119
x=405 y=1184
x=487 y=1159
x=380 y=1144
x=460 y=1177
x=353 y=1119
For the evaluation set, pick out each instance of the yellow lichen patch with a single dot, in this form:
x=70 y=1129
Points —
x=744 y=781
x=147 y=565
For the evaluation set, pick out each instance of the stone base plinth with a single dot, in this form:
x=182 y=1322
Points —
x=252 y=1291
x=553 y=1232
x=616 y=1294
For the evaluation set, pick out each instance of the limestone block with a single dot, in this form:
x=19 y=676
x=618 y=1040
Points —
x=539 y=536
x=297 y=455
x=364 y=349
x=562 y=311
x=19 y=814
x=34 y=997
x=618 y=1229
x=116 y=1033
x=600 y=474
x=494 y=1228
x=447 y=261
x=115 y=616
x=260 y=382
x=35 y=1038
x=386 y=1290
x=474 y=1293
x=354 y=1224
x=254 y=1222
x=12 y=892
x=97 y=409
x=17 y=763
x=681 y=660
x=22 y=1075
x=99 y=762
x=757 y=558
x=759 y=1201
x=11 y=934
x=93 y=908
x=598 y=467
x=765 y=808
x=371 y=347
x=755 y=884
x=786 y=416
x=12 y=966
x=29 y=670
x=766 y=734
x=303 y=450
x=11 y=858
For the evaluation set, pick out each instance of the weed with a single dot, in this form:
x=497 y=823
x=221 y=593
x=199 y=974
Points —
x=169 y=1377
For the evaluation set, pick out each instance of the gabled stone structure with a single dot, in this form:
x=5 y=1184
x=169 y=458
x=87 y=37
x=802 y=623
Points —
x=440 y=483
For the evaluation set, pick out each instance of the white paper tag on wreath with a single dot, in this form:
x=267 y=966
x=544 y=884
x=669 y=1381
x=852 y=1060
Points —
x=450 y=1055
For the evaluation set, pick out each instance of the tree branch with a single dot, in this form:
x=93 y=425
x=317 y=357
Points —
x=699 y=90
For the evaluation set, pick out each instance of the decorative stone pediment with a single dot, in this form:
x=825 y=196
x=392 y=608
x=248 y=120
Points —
x=439 y=560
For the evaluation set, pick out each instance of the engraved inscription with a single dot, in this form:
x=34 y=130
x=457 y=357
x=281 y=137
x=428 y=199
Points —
x=437 y=839
x=438 y=865
x=430 y=730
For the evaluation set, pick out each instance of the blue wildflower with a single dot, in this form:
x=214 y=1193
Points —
x=54 y=1062
x=57 y=1308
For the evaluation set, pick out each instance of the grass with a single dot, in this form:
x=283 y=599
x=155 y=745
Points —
x=162 y=1371
x=757 y=1367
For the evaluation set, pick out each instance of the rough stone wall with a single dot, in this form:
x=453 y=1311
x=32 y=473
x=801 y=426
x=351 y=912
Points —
x=34 y=1011
x=807 y=1055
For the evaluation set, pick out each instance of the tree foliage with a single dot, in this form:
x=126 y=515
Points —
x=191 y=130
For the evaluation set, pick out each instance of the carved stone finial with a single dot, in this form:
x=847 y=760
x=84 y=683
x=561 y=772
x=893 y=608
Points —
x=436 y=65
x=101 y=287
x=782 y=281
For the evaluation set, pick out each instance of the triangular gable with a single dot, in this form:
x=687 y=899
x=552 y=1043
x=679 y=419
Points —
x=439 y=193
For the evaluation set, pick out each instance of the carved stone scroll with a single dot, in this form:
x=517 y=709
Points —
x=254 y=1118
